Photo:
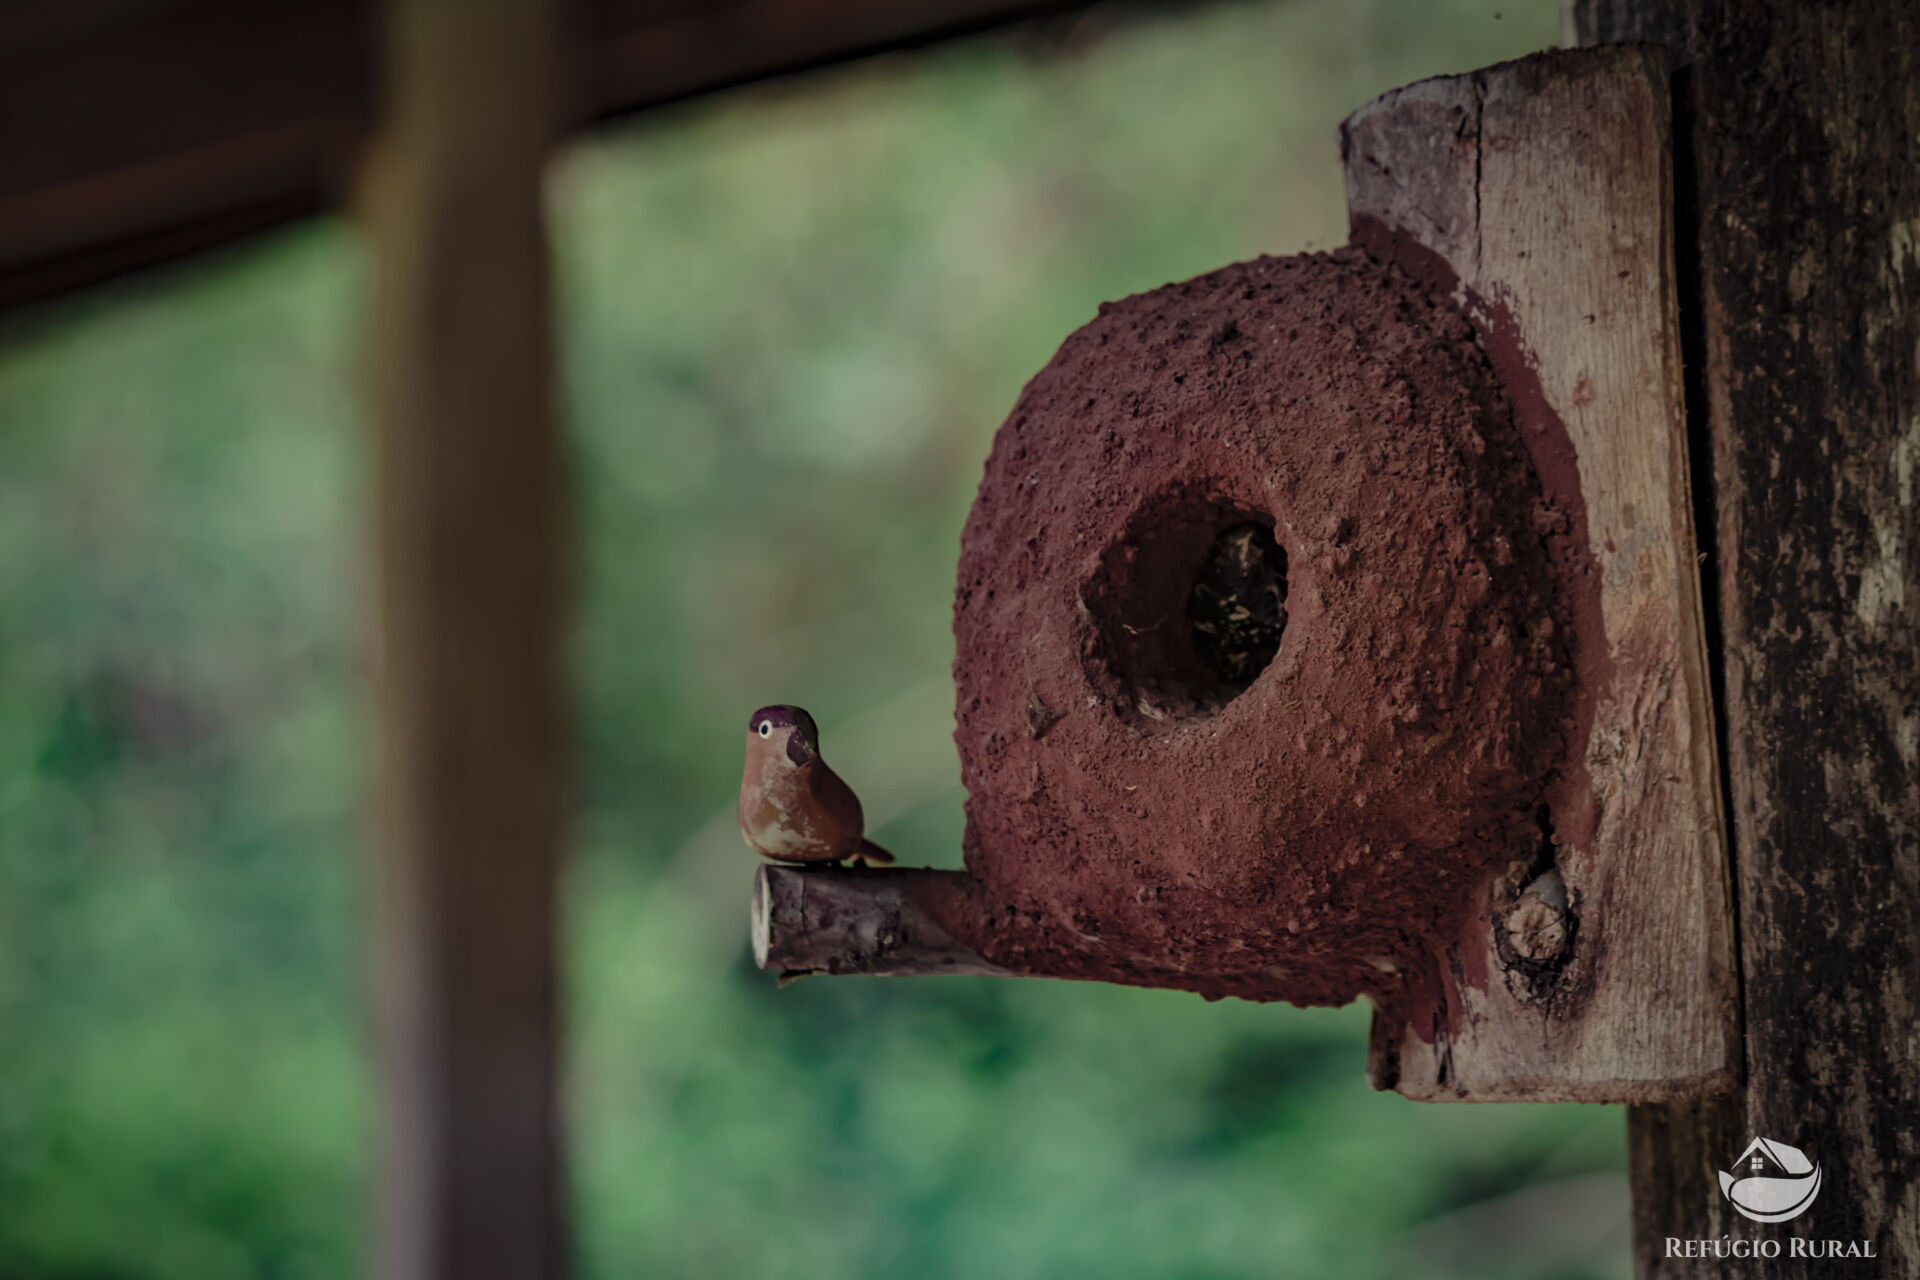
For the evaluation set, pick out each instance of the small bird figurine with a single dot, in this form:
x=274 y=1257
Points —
x=793 y=808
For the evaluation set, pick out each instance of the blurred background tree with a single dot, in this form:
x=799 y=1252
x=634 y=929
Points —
x=793 y=317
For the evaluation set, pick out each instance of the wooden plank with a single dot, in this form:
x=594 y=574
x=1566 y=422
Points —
x=135 y=131
x=1800 y=182
x=471 y=553
x=1537 y=193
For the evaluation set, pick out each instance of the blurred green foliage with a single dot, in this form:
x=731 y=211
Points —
x=793 y=316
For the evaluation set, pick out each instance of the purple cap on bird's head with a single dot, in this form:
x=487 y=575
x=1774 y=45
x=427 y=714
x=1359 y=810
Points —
x=804 y=745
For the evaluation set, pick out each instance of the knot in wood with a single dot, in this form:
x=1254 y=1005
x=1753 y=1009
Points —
x=1539 y=932
x=1537 y=925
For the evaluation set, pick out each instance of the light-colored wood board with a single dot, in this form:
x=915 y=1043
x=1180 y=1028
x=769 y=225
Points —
x=1543 y=186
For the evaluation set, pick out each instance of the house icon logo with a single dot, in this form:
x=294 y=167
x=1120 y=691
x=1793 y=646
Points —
x=1771 y=1182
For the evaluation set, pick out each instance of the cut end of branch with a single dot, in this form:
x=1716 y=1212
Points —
x=759 y=916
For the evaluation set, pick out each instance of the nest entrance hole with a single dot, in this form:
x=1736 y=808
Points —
x=1189 y=608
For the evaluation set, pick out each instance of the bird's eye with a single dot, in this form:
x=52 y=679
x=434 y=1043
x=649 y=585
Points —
x=766 y=728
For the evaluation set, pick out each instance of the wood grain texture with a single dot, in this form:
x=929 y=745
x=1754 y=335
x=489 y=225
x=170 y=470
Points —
x=877 y=921
x=1800 y=133
x=1538 y=193
x=471 y=553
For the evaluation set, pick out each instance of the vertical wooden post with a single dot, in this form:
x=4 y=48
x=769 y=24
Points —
x=470 y=549
x=1799 y=172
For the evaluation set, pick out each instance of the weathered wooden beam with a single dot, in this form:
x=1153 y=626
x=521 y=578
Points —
x=1799 y=161
x=874 y=921
x=471 y=602
x=1538 y=194
x=133 y=134
x=640 y=53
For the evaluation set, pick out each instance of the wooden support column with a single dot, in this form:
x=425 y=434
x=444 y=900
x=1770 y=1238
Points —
x=470 y=548
x=1798 y=158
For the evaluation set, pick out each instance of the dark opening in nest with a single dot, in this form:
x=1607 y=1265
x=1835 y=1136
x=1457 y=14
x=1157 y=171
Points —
x=1189 y=608
x=1238 y=606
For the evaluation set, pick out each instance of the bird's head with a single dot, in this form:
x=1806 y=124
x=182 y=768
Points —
x=786 y=729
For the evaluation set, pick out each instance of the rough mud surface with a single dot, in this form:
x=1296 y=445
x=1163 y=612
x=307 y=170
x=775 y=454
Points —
x=1134 y=813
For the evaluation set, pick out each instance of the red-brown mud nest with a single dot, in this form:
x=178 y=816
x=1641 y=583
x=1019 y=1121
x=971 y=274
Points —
x=1260 y=653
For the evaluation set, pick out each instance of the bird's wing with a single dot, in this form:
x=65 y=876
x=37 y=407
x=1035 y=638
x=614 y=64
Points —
x=838 y=806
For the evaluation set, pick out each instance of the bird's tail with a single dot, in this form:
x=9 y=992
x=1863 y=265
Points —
x=870 y=854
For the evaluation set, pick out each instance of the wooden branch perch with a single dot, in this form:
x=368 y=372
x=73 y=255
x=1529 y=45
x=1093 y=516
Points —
x=857 y=920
